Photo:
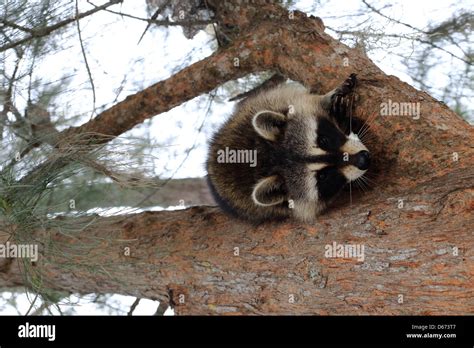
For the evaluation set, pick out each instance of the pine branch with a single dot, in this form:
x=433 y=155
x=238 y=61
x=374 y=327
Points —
x=42 y=32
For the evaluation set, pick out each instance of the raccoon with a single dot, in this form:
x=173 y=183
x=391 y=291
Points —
x=305 y=150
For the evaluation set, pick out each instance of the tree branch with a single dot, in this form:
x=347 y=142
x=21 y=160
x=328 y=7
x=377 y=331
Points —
x=415 y=226
x=37 y=33
x=211 y=264
x=154 y=16
x=163 y=22
x=86 y=63
x=200 y=77
x=16 y=26
x=133 y=306
x=428 y=34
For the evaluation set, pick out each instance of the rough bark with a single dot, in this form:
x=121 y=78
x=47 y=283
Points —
x=415 y=224
x=189 y=256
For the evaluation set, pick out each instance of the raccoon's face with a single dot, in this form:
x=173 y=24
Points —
x=318 y=157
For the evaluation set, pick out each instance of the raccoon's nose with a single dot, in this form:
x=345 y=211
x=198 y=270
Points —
x=362 y=160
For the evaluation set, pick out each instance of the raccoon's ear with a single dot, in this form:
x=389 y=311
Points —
x=269 y=124
x=269 y=191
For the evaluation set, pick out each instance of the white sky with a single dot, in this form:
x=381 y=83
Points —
x=81 y=305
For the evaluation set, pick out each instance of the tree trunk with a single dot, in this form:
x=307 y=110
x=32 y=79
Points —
x=415 y=224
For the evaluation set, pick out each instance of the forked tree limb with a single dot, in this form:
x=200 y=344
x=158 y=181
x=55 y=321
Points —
x=418 y=258
x=415 y=224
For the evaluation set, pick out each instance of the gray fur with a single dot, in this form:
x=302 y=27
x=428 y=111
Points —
x=281 y=124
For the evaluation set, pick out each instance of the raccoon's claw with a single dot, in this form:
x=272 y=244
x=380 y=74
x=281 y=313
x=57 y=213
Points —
x=347 y=86
x=340 y=106
x=341 y=103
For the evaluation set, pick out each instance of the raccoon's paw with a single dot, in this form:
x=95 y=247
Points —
x=341 y=104
x=347 y=86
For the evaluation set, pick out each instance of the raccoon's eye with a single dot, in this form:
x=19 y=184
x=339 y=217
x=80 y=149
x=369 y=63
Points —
x=321 y=176
x=323 y=141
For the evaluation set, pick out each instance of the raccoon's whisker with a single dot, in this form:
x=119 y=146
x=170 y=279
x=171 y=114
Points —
x=364 y=137
x=368 y=182
x=364 y=125
x=370 y=175
x=368 y=139
x=370 y=179
x=364 y=186
x=372 y=118
x=359 y=183
x=367 y=177
x=360 y=134
x=369 y=120
x=351 y=107
x=364 y=130
x=355 y=181
x=365 y=180
x=350 y=192
x=367 y=136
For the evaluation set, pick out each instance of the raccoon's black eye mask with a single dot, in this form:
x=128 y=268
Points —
x=329 y=182
x=329 y=137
